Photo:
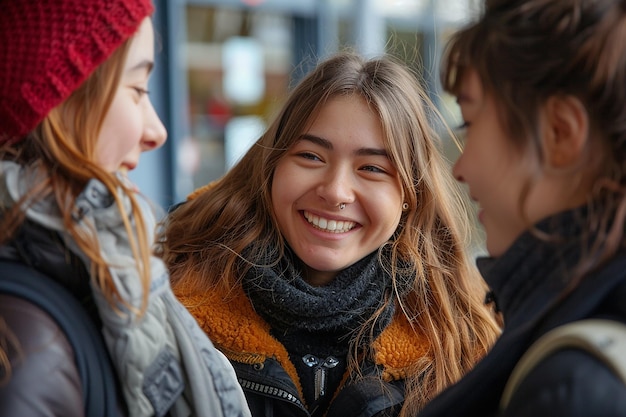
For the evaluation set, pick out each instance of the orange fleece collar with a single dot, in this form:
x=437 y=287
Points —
x=243 y=336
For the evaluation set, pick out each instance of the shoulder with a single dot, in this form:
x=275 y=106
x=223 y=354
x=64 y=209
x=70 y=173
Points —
x=569 y=382
x=399 y=347
x=44 y=379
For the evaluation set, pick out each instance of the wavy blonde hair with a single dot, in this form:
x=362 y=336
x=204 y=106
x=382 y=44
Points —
x=205 y=237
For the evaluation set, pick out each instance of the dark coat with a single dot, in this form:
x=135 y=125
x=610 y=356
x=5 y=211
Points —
x=527 y=283
x=269 y=377
x=270 y=391
x=44 y=378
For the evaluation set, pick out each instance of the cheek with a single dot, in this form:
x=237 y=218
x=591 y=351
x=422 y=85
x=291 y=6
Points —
x=111 y=147
x=120 y=133
x=281 y=190
x=384 y=209
x=286 y=183
x=284 y=192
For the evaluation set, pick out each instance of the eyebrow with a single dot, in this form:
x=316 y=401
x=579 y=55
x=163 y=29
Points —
x=145 y=64
x=326 y=144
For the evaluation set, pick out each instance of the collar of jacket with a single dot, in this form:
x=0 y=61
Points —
x=243 y=336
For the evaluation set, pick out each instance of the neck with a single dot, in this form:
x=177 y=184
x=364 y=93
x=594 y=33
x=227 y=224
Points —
x=316 y=278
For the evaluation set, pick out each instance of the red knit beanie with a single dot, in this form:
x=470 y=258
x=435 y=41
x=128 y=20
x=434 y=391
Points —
x=48 y=48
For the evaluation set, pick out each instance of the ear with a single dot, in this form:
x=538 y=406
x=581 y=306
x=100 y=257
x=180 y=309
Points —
x=566 y=131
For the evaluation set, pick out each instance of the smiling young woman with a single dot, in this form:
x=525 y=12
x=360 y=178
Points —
x=340 y=159
x=329 y=264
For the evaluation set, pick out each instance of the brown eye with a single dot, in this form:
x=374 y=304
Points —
x=309 y=155
x=372 y=168
x=141 y=91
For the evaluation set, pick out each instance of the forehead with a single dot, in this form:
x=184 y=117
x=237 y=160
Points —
x=141 y=45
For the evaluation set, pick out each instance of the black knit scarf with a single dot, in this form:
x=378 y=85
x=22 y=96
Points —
x=325 y=317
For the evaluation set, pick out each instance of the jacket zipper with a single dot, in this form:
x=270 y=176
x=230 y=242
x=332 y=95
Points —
x=272 y=391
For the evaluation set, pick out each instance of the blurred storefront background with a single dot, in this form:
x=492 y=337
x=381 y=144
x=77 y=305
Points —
x=224 y=68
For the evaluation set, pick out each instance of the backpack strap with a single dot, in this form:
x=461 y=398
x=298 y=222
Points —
x=96 y=373
x=604 y=339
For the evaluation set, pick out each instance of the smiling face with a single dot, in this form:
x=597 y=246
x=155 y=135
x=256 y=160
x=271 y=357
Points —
x=497 y=171
x=131 y=125
x=339 y=159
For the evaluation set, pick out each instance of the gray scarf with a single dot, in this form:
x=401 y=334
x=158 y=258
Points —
x=164 y=360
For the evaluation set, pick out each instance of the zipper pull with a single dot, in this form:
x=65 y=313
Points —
x=320 y=382
x=320 y=372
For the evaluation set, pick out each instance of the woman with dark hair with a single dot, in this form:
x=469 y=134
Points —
x=542 y=90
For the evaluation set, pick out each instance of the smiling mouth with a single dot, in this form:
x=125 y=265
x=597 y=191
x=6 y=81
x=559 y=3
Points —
x=332 y=226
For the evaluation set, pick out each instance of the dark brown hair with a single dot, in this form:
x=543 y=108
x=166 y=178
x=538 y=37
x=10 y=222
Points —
x=525 y=52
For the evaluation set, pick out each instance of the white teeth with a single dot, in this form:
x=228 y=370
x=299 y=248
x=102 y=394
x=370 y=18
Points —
x=333 y=226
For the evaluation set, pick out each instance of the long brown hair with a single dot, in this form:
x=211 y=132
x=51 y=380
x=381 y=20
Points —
x=62 y=147
x=205 y=237
x=525 y=52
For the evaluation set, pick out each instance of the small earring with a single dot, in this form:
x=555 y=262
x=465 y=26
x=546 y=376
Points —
x=342 y=206
x=405 y=206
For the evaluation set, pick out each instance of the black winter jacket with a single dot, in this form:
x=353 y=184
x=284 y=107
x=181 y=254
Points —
x=527 y=283
x=271 y=392
x=269 y=378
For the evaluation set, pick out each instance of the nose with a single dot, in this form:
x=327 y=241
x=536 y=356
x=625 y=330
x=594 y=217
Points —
x=337 y=186
x=154 y=134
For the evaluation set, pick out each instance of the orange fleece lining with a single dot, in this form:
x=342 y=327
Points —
x=243 y=336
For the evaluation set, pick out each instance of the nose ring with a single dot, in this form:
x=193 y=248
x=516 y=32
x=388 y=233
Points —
x=342 y=206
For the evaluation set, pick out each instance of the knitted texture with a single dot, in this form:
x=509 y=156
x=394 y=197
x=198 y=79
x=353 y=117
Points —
x=48 y=48
x=285 y=300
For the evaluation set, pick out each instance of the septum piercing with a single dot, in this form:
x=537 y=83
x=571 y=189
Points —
x=342 y=206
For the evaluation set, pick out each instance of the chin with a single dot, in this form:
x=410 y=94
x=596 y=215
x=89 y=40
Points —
x=495 y=250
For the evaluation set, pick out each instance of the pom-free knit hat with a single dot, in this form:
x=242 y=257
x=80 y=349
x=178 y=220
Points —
x=48 y=48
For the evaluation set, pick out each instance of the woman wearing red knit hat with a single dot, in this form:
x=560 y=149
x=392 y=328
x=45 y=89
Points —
x=76 y=236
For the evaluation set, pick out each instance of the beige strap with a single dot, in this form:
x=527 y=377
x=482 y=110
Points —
x=605 y=339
